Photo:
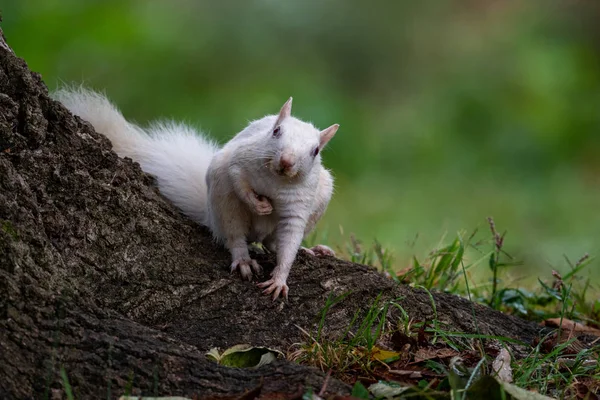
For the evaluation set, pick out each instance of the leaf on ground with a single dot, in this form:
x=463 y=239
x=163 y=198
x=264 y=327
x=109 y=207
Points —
x=490 y=388
x=387 y=390
x=571 y=326
x=583 y=391
x=394 y=390
x=385 y=356
x=424 y=354
x=570 y=362
x=501 y=366
x=407 y=373
x=244 y=356
x=359 y=391
x=549 y=343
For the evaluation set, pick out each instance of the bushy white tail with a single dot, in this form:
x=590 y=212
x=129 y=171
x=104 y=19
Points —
x=174 y=153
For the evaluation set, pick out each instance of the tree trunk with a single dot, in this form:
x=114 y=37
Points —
x=103 y=279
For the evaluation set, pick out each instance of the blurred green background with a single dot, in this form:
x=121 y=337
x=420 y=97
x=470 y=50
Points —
x=450 y=111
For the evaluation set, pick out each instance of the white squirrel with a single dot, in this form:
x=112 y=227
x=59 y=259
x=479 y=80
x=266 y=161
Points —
x=266 y=185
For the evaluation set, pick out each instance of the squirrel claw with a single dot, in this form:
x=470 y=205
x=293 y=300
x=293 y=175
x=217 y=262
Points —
x=256 y=267
x=262 y=205
x=320 y=250
x=245 y=267
x=276 y=287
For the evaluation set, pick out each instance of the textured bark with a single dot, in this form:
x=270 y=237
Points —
x=102 y=277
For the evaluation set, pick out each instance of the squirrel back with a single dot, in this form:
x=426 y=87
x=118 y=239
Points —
x=174 y=153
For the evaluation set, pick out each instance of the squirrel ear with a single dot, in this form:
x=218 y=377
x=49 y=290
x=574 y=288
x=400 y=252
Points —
x=285 y=112
x=327 y=134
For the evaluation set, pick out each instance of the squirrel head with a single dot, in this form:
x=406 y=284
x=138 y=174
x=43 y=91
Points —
x=295 y=145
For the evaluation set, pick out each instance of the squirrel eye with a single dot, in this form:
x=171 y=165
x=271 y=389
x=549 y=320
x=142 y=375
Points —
x=277 y=132
x=315 y=151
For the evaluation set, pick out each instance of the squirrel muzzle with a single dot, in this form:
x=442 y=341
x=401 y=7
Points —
x=287 y=166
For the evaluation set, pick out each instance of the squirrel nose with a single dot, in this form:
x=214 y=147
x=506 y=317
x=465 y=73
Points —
x=286 y=162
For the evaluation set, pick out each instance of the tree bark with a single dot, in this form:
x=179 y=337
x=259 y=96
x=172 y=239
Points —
x=103 y=278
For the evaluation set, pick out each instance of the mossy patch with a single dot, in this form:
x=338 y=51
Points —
x=7 y=226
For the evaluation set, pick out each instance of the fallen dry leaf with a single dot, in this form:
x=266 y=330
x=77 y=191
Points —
x=407 y=373
x=425 y=354
x=385 y=356
x=501 y=366
x=571 y=326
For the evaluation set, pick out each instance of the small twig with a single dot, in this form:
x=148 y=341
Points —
x=325 y=382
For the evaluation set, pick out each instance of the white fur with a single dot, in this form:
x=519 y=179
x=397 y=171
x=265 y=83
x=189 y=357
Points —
x=219 y=187
x=249 y=163
x=172 y=152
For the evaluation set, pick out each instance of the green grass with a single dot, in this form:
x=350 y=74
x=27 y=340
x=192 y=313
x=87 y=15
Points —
x=555 y=371
x=476 y=266
x=7 y=227
x=66 y=384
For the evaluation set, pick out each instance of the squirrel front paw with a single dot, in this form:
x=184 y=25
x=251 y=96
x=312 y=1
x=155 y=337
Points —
x=261 y=205
x=245 y=267
x=276 y=286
